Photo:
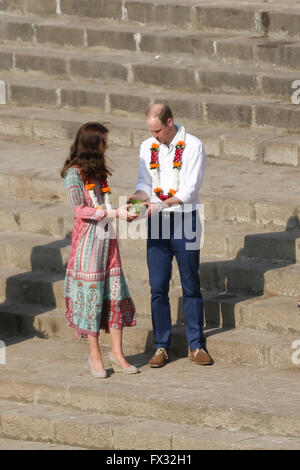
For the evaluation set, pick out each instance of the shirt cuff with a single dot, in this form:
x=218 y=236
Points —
x=145 y=188
x=184 y=196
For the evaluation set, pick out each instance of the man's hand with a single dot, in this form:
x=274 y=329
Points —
x=153 y=208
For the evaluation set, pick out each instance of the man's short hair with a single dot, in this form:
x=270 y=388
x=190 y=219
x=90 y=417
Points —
x=164 y=114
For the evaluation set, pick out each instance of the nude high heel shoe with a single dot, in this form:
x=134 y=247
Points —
x=118 y=368
x=97 y=373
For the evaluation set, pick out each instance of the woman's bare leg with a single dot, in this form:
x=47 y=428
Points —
x=116 y=346
x=95 y=353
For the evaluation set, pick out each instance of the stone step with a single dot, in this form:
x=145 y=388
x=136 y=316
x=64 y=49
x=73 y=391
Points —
x=221 y=46
x=43 y=253
x=251 y=277
x=280 y=245
x=34 y=252
x=260 y=18
x=244 y=346
x=42 y=290
x=131 y=101
x=229 y=401
x=62 y=429
x=221 y=239
x=224 y=46
x=45 y=289
x=233 y=144
x=246 y=193
x=265 y=313
x=17 y=444
x=189 y=73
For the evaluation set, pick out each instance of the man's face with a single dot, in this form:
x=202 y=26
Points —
x=159 y=131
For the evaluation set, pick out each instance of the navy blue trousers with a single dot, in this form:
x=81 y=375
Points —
x=161 y=248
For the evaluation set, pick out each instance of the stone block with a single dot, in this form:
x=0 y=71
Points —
x=152 y=13
x=212 y=144
x=52 y=66
x=15 y=31
x=30 y=96
x=269 y=215
x=243 y=280
x=112 y=39
x=170 y=77
x=184 y=108
x=45 y=224
x=281 y=153
x=92 y=8
x=6 y=60
x=240 y=148
x=238 y=114
x=139 y=438
x=72 y=432
x=64 y=36
x=286 y=23
x=46 y=7
x=83 y=99
x=291 y=56
x=278 y=117
x=164 y=44
x=278 y=86
x=18 y=425
x=129 y=103
x=236 y=19
x=101 y=436
x=283 y=281
x=273 y=52
x=46 y=128
x=220 y=80
x=234 y=49
x=15 y=126
x=13 y=6
x=279 y=246
x=97 y=70
x=89 y=400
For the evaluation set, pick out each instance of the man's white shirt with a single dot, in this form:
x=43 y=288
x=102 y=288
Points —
x=190 y=175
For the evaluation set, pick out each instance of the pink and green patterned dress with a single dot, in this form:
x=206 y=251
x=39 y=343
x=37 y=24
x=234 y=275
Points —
x=96 y=293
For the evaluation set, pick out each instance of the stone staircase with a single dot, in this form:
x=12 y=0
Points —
x=227 y=69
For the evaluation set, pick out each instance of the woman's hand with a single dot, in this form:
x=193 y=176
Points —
x=122 y=213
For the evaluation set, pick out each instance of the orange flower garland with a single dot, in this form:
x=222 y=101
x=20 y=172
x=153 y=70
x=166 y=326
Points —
x=177 y=163
x=105 y=189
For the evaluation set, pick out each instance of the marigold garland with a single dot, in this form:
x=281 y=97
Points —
x=177 y=164
x=105 y=189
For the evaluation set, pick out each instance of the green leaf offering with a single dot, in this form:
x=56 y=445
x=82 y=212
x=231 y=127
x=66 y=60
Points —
x=137 y=207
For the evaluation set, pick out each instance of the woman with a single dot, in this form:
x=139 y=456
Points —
x=96 y=292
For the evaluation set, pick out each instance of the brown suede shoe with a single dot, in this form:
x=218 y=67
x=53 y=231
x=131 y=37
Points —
x=159 y=359
x=201 y=357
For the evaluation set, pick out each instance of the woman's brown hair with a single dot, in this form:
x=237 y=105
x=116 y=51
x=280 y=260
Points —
x=88 y=152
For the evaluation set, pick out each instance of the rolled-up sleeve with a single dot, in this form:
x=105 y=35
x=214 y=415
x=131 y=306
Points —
x=191 y=174
x=82 y=210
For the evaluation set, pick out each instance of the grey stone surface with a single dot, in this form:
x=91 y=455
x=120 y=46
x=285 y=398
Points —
x=227 y=70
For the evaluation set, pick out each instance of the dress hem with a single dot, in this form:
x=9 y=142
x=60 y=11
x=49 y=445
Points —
x=83 y=334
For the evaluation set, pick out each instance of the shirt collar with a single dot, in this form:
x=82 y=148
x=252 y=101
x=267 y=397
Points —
x=176 y=136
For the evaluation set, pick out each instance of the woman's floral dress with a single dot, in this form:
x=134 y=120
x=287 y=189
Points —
x=96 y=293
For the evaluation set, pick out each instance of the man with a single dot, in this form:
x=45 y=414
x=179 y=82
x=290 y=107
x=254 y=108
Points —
x=172 y=164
